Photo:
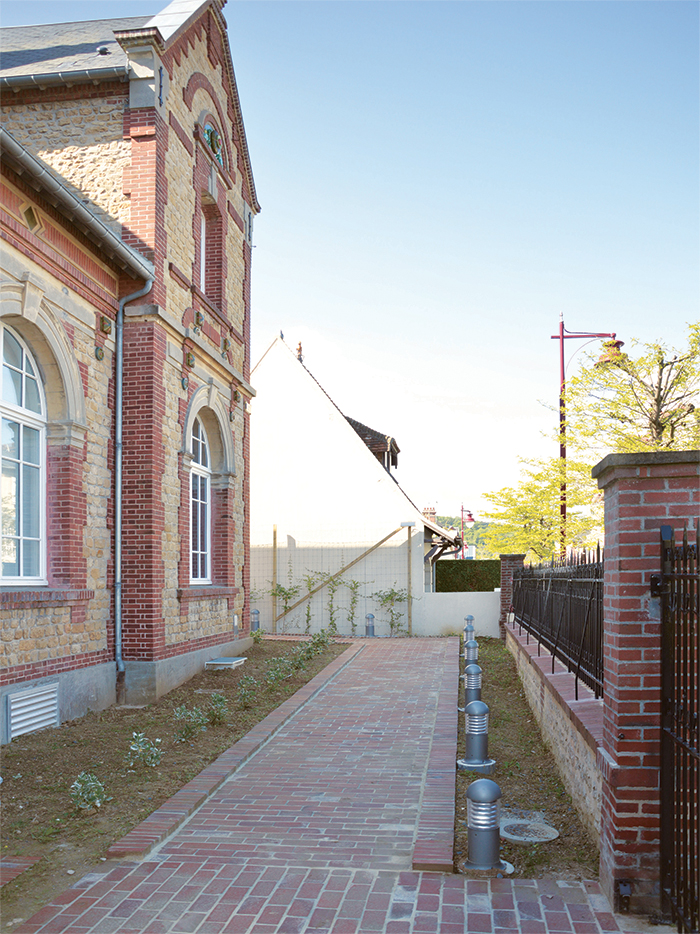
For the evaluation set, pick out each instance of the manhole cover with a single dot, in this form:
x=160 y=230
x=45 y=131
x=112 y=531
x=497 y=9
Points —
x=528 y=831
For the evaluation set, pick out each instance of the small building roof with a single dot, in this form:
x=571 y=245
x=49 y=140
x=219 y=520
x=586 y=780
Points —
x=377 y=442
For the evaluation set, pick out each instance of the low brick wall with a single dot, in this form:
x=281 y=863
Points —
x=572 y=729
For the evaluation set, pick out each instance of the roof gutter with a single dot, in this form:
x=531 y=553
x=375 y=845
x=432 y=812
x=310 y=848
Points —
x=126 y=257
x=84 y=76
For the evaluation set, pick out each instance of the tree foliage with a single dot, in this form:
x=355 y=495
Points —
x=472 y=536
x=526 y=519
x=649 y=401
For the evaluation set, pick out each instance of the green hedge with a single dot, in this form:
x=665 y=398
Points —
x=454 y=576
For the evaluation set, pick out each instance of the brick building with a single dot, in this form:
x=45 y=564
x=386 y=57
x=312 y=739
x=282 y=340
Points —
x=127 y=206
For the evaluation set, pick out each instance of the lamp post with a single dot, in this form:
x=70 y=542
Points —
x=469 y=522
x=561 y=337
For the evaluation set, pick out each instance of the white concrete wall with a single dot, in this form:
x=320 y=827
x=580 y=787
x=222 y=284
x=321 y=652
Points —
x=438 y=614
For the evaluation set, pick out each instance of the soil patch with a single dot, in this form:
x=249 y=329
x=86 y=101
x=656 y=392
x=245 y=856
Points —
x=38 y=769
x=528 y=777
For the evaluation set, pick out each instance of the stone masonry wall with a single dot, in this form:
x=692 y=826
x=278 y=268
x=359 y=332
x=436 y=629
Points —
x=570 y=728
x=82 y=139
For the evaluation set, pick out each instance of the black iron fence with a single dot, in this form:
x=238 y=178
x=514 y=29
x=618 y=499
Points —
x=678 y=585
x=561 y=605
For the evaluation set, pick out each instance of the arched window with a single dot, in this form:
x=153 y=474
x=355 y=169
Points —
x=200 y=500
x=22 y=487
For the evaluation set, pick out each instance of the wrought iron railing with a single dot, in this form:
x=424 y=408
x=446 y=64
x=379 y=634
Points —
x=561 y=605
x=678 y=585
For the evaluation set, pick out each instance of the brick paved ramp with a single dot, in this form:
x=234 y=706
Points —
x=315 y=824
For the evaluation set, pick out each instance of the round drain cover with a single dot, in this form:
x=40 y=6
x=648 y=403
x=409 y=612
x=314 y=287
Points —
x=528 y=831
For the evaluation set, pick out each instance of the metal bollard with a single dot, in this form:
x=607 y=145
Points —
x=476 y=715
x=472 y=684
x=471 y=651
x=468 y=628
x=254 y=620
x=369 y=624
x=483 y=827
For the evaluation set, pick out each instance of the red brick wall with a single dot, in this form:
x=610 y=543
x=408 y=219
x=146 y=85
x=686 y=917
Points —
x=143 y=510
x=642 y=492
x=509 y=564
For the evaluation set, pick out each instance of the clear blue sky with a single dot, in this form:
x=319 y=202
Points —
x=439 y=180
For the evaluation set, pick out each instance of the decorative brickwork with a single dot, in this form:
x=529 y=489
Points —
x=642 y=492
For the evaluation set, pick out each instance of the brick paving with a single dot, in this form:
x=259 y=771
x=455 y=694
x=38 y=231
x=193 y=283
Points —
x=333 y=816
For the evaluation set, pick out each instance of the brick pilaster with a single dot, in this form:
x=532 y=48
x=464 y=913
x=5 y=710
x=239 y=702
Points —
x=509 y=564
x=642 y=492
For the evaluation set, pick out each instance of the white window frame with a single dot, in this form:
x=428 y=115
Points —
x=200 y=509
x=25 y=417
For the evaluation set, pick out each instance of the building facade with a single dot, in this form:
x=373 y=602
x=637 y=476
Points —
x=127 y=210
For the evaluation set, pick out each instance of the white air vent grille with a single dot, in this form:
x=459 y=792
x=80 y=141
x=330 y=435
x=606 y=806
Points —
x=32 y=710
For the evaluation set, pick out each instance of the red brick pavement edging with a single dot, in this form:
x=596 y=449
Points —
x=433 y=849
x=11 y=868
x=167 y=818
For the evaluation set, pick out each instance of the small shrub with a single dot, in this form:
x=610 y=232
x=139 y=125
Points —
x=217 y=711
x=143 y=751
x=298 y=658
x=257 y=636
x=278 y=669
x=320 y=641
x=193 y=722
x=87 y=791
x=247 y=690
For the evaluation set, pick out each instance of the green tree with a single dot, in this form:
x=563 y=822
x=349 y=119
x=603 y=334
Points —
x=526 y=519
x=474 y=536
x=646 y=401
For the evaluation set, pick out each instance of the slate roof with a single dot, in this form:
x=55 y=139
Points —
x=64 y=47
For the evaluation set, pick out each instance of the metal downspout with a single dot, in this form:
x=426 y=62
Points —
x=118 y=474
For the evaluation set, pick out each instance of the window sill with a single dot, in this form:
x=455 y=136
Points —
x=15 y=598
x=205 y=592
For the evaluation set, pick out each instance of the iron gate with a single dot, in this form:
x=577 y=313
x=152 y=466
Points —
x=679 y=588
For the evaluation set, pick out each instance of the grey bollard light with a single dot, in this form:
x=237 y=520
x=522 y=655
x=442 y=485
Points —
x=471 y=651
x=472 y=684
x=468 y=627
x=483 y=827
x=254 y=620
x=476 y=758
x=369 y=624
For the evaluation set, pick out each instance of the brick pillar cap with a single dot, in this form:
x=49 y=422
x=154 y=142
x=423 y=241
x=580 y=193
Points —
x=644 y=459
x=512 y=556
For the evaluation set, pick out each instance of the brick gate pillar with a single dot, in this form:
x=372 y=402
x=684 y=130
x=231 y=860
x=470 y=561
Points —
x=509 y=564
x=642 y=492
